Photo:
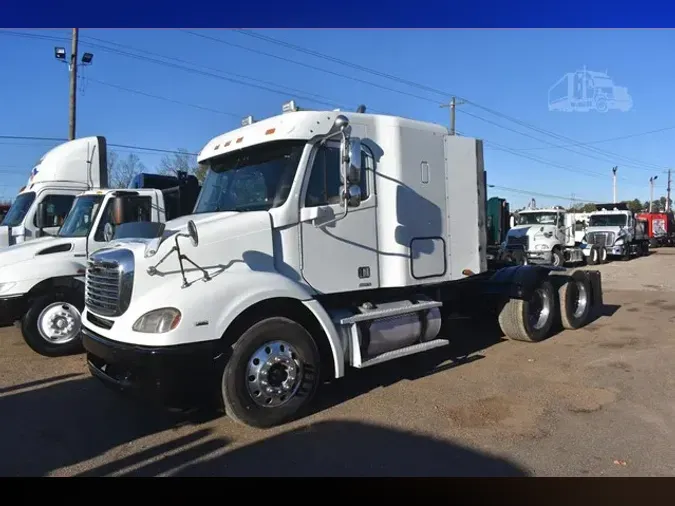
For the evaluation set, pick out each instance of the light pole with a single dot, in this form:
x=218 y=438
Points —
x=651 y=191
x=60 y=54
x=614 y=169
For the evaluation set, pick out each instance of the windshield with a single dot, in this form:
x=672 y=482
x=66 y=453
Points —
x=81 y=217
x=252 y=179
x=19 y=208
x=607 y=220
x=537 y=218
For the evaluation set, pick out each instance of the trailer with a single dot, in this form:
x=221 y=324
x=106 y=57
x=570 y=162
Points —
x=660 y=228
x=322 y=241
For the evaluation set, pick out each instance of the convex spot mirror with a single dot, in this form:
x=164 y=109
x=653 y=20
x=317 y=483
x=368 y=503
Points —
x=192 y=233
x=108 y=232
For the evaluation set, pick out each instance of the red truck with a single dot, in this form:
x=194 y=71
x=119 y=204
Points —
x=660 y=228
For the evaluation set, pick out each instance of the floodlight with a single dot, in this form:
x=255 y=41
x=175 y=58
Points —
x=87 y=57
x=60 y=53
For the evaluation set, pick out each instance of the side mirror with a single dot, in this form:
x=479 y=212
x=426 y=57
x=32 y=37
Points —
x=192 y=233
x=117 y=211
x=41 y=216
x=354 y=167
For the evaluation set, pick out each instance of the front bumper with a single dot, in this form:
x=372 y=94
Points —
x=173 y=376
x=12 y=309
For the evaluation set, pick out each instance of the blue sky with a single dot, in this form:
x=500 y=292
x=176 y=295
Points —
x=506 y=71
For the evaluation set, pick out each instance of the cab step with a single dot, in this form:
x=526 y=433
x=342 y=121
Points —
x=373 y=314
x=408 y=350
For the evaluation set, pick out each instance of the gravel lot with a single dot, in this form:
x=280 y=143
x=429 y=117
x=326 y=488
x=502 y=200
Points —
x=597 y=401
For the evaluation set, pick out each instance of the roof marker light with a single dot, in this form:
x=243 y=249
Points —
x=270 y=131
x=239 y=140
x=289 y=107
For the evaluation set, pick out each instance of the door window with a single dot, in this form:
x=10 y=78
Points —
x=324 y=182
x=135 y=209
x=56 y=209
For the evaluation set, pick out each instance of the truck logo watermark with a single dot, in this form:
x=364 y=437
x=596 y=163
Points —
x=585 y=90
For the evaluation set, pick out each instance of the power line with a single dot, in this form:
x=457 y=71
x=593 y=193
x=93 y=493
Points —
x=166 y=99
x=445 y=94
x=619 y=138
x=537 y=194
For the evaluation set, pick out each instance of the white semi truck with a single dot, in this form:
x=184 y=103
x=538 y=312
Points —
x=550 y=236
x=615 y=229
x=321 y=240
x=42 y=280
x=60 y=175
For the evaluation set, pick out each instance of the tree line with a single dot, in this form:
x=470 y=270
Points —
x=635 y=205
x=122 y=170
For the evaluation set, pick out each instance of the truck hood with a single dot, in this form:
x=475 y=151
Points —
x=616 y=230
x=228 y=242
x=29 y=250
x=529 y=230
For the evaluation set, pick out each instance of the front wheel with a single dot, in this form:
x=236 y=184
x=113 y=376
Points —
x=51 y=326
x=272 y=375
x=557 y=258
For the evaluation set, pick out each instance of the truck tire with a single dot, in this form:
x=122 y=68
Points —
x=594 y=257
x=272 y=375
x=529 y=320
x=575 y=301
x=557 y=258
x=51 y=326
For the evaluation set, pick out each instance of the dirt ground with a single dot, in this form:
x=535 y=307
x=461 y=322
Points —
x=592 y=402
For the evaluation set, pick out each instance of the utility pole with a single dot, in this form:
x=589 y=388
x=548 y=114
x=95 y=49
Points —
x=453 y=107
x=73 y=86
x=651 y=191
x=668 y=194
x=60 y=55
x=614 y=182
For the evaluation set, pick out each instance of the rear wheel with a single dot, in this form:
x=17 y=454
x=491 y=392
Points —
x=272 y=375
x=529 y=320
x=594 y=256
x=575 y=301
x=51 y=326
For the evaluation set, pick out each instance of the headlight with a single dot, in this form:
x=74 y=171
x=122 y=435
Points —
x=5 y=287
x=618 y=242
x=542 y=247
x=158 y=321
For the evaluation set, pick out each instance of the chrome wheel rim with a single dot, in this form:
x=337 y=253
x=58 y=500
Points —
x=581 y=299
x=273 y=374
x=59 y=323
x=539 y=309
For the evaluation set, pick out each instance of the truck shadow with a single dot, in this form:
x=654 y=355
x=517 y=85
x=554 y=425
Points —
x=48 y=426
x=331 y=448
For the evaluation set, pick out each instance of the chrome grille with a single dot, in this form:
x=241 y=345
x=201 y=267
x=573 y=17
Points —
x=600 y=238
x=109 y=282
x=518 y=242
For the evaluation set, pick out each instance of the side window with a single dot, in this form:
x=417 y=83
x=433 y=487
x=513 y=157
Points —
x=57 y=207
x=135 y=209
x=324 y=180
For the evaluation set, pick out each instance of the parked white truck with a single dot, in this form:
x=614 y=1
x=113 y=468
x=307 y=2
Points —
x=42 y=280
x=549 y=236
x=60 y=175
x=321 y=240
x=615 y=229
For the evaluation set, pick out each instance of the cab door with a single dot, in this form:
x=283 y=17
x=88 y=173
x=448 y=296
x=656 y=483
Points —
x=342 y=255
